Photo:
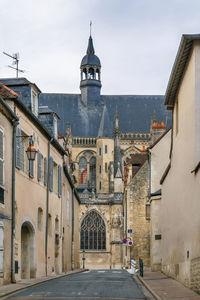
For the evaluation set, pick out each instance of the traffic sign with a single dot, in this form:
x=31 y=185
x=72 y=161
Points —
x=130 y=243
x=124 y=241
x=129 y=230
x=83 y=258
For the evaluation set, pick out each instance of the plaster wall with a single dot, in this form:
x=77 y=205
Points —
x=5 y=209
x=155 y=230
x=30 y=196
x=180 y=190
x=159 y=160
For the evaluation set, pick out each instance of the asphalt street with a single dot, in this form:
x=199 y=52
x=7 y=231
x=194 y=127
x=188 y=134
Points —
x=95 y=284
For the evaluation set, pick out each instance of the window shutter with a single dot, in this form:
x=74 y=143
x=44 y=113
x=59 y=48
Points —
x=59 y=181
x=18 y=148
x=1 y=158
x=51 y=174
x=1 y=145
x=1 y=172
x=31 y=170
x=39 y=166
x=22 y=152
x=45 y=171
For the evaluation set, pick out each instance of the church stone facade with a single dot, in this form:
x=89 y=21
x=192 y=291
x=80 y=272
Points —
x=102 y=135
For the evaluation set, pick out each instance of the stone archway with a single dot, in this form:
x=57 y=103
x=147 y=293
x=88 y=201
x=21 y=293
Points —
x=28 y=269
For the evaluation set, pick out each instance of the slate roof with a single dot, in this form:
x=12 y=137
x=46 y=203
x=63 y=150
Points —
x=179 y=66
x=137 y=160
x=135 y=113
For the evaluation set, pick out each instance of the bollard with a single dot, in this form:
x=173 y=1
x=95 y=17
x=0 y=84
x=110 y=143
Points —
x=141 y=267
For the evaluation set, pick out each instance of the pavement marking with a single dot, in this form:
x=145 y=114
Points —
x=101 y=271
x=116 y=272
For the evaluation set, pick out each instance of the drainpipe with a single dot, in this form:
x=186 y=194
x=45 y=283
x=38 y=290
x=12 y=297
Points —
x=73 y=228
x=149 y=163
x=15 y=123
x=47 y=206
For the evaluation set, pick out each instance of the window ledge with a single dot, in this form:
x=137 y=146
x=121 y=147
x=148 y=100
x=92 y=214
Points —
x=94 y=251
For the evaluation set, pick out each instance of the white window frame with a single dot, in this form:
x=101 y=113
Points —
x=34 y=103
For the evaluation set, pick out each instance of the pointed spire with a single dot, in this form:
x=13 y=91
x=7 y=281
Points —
x=90 y=49
x=116 y=117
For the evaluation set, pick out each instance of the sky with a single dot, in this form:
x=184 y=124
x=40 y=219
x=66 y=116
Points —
x=136 y=41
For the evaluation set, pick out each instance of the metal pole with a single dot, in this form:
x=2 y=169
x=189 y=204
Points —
x=72 y=229
x=83 y=259
x=47 y=206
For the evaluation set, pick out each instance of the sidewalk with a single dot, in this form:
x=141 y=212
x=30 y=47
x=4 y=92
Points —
x=163 y=287
x=14 y=287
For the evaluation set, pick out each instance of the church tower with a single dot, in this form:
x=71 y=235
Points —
x=90 y=84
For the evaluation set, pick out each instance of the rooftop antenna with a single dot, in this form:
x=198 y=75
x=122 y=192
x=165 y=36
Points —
x=15 y=58
x=90 y=28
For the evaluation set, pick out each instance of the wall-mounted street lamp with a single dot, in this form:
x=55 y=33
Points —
x=31 y=151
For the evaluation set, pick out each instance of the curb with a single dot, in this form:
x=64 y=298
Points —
x=148 y=288
x=42 y=281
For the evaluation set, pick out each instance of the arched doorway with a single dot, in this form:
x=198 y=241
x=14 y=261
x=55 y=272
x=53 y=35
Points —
x=28 y=269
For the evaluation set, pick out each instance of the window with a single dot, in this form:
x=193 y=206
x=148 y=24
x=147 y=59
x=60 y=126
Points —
x=99 y=151
x=34 y=103
x=49 y=224
x=100 y=185
x=55 y=178
x=106 y=149
x=55 y=126
x=40 y=218
x=83 y=171
x=45 y=171
x=106 y=167
x=99 y=169
x=22 y=162
x=93 y=232
x=1 y=158
x=177 y=117
x=39 y=166
x=51 y=174
x=93 y=172
x=59 y=181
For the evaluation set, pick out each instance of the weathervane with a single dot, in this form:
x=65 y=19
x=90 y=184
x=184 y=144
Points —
x=15 y=56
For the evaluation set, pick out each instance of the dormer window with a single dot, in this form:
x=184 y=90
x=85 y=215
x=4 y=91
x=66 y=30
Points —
x=34 y=103
x=55 y=127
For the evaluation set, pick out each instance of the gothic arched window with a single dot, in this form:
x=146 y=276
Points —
x=93 y=172
x=93 y=232
x=83 y=171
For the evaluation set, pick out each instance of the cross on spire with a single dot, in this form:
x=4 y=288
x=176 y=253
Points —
x=90 y=28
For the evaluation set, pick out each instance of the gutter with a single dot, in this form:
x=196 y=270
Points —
x=149 y=163
x=15 y=123
x=47 y=206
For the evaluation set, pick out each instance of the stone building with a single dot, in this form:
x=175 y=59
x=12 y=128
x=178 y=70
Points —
x=46 y=235
x=8 y=123
x=179 y=211
x=138 y=226
x=99 y=133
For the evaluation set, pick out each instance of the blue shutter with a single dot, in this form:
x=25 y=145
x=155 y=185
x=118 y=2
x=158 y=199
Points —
x=39 y=166
x=51 y=174
x=31 y=168
x=45 y=171
x=59 y=181
x=18 y=148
